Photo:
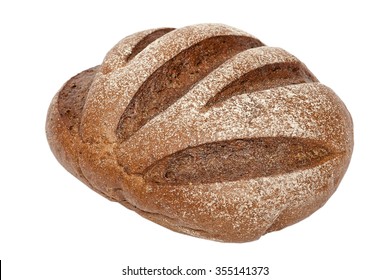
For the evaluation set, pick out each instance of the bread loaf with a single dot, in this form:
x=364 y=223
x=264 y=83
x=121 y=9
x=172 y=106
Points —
x=204 y=130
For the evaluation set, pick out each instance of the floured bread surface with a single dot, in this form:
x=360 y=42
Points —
x=204 y=130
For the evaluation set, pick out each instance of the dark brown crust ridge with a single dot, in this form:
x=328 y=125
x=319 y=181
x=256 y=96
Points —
x=239 y=159
x=147 y=40
x=71 y=98
x=266 y=77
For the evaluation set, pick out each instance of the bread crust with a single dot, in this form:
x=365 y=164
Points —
x=225 y=143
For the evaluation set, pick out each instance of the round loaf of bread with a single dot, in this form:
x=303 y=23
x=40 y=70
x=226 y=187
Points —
x=203 y=130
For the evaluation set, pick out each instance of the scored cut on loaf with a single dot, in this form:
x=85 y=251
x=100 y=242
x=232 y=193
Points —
x=204 y=130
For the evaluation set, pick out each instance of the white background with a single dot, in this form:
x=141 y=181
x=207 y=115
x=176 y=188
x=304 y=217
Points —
x=54 y=227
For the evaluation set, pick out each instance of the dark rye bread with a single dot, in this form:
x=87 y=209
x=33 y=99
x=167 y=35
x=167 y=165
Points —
x=204 y=130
